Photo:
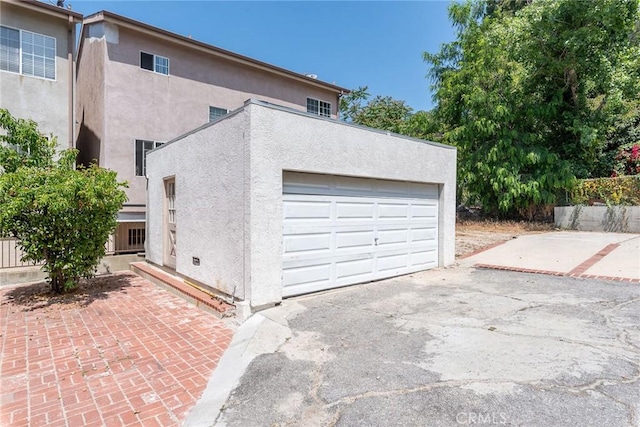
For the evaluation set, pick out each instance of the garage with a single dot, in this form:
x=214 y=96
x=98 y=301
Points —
x=269 y=203
x=339 y=231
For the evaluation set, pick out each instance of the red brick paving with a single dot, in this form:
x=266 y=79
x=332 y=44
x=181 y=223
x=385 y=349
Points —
x=137 y=355
x=580 y=269
x=557 y=273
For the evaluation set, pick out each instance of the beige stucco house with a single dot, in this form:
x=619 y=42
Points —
x=37 y=80
x=37 y=47
x=140 y=86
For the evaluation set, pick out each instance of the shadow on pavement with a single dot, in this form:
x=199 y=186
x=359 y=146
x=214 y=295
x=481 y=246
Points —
x=38 y=296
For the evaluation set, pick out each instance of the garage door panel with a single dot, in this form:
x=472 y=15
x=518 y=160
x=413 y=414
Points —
x=423 y=234
x=392 y=188
x=357 y=186
x=301 y=260
x=393 y=237
x=304 y=183
x=354 y=210
x=404 y=223
x=319 y=274
x=423 y=191
x=354 y=239
x=424 y=211
x=393 y=262
x=392 y=211
x=424 y=258
x=352 y=268
x=307 y=243
x=299 y=210
x=329 y=227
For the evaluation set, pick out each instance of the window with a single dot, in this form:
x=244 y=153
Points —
x=136 y=236
x=319 y=108
x=155 y=63
x=27 y=53
x=215 y=112
x=142 y=146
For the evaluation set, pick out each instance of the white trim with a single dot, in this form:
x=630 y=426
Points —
x=55 y=55
x=156 y=144
x=319 y=107
x=154 y=63
x=217 y=108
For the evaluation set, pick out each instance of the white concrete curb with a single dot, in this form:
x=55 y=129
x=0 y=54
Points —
x=226 y=376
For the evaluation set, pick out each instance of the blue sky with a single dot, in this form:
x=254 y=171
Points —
x=350 y=43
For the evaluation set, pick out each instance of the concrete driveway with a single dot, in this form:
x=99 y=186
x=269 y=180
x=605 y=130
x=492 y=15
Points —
x=612 y=256
x=447 y=347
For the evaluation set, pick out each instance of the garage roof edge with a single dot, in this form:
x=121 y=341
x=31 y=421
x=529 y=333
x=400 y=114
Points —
x=265 y=104
x=340 y=122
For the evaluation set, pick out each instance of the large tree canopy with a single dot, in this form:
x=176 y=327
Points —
x=530 y=92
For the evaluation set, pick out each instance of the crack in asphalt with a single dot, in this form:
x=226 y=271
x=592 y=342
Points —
x=317 y=411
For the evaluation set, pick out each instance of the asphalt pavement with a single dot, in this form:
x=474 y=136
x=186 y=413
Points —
x=447 y=347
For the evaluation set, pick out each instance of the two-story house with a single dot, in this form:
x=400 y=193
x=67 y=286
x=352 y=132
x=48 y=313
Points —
x=140 y=86
x=37 y=69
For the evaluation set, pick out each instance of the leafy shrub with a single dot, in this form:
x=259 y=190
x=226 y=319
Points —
x=60 y=215
x=624 y=190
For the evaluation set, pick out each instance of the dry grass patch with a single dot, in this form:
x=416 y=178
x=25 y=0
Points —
x=473 y=235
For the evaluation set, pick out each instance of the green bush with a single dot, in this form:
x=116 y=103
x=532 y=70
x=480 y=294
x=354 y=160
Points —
x=624 y=190
x=60 y=215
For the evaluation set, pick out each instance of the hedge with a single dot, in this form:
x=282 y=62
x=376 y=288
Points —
x=623 y=190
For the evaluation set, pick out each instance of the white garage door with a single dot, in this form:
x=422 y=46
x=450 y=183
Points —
x=339 y=231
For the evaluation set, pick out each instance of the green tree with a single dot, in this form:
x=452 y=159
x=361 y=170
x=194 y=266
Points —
x=60 y=215
x=527 y=92
x=387 y=113
x=351 y=104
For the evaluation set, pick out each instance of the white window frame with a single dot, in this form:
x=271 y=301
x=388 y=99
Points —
x=156 y=144
x=155 y=63
x=217 y=108
x=319 y=107
x=20 y=55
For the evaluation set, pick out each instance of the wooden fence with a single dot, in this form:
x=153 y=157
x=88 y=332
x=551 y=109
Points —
x=10 y=254
x=128 y=238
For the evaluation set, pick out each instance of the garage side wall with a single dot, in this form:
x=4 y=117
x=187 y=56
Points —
x=208 y=167
x=282 y=140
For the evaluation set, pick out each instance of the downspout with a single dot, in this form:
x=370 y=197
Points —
x=338 y=97
x=70 y=49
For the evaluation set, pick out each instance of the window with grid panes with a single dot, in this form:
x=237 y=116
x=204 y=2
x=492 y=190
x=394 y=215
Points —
x=320 y=108
x=27 y=53
x=215 y=112
x=156 y=63
x=141 y=148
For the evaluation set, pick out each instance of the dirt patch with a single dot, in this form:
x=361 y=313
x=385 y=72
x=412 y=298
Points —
x=39 y=296
x=472 y=236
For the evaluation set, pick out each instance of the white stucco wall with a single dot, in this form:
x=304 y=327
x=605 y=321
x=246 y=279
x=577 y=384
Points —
x=229 y=189
x=208 y=166
x=283 y=140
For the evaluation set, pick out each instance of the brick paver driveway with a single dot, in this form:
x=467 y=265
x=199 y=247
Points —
x=123 y=353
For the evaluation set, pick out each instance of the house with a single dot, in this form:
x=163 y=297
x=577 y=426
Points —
x=37 y=80
x=140 y=86
x=37 y=48
x=268 y=202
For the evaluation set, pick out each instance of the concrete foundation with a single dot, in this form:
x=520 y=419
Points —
x=19 y=275
x=618 y=219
